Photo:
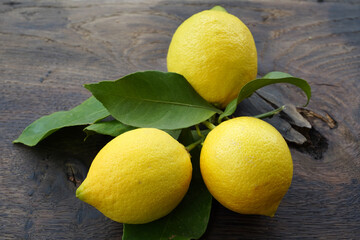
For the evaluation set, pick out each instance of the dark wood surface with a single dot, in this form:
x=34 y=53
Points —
x=48 y=49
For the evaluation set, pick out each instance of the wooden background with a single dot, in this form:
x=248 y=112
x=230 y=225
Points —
x=48 y=49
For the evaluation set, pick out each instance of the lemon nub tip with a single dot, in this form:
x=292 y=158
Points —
x=270 y=214
x=219 y=8
x=79 y=192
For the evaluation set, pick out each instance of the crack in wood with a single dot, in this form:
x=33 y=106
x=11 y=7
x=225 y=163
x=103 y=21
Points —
x=11 y=3
x=316 y=144
x=331 y=122
x=73 y=174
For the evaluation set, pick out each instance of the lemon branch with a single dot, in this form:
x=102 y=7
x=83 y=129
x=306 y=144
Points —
x=202 y=137
x=209 y=125
x=194 y=144
x=198 y=131
x=221 y=119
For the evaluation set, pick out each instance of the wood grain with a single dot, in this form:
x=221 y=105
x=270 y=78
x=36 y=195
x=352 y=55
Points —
x=48 y=49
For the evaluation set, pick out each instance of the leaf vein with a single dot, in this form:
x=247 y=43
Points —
x=173 y=103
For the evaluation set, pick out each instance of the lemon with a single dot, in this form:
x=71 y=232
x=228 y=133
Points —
x=138 y=177
x=247 y=166
x=216 y=53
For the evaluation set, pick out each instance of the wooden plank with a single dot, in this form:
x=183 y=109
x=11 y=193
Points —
x=48 y=49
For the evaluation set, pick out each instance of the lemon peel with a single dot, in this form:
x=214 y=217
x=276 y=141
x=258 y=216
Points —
x=247 y=166
x=138 y=177
x=216 y=53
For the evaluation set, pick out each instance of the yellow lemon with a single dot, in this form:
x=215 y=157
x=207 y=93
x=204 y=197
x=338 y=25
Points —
x=138 y=177
x=216 y=53
x=247 y=166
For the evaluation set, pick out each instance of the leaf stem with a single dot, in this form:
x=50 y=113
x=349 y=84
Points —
x=209 y=125
x=221 y=119
x=198 y=131
x=271 y=113
x=194 y=144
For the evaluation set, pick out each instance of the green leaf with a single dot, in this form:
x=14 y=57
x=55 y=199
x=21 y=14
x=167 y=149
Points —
x=153 y=99
x=114 y=128
x=268 y=79
x=90 y=111
x=174 y=133
x=189 y=220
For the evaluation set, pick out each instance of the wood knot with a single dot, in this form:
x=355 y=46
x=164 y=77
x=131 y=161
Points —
x=75 y=172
